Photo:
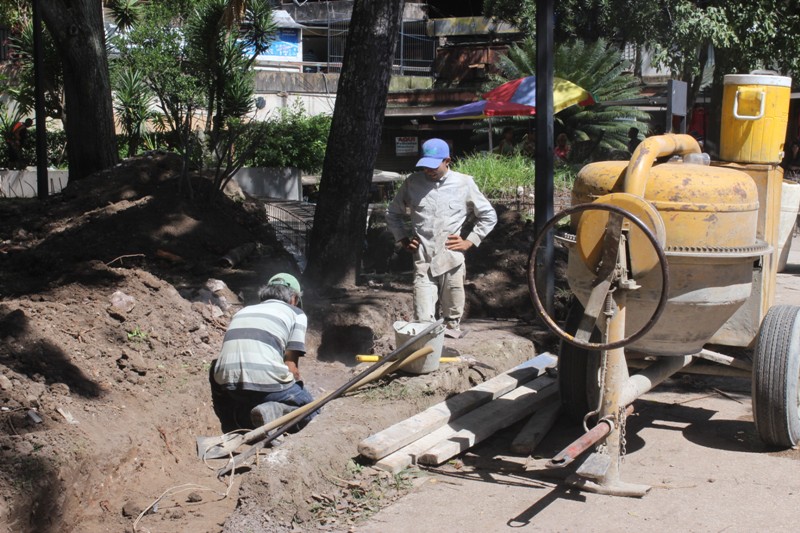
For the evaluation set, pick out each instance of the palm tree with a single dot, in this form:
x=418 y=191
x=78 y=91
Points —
x=597 y=67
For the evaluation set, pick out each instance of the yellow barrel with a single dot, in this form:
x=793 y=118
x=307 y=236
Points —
x=755 y=111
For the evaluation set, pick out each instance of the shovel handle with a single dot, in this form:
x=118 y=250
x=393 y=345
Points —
x=288 y=420
x=300 y=412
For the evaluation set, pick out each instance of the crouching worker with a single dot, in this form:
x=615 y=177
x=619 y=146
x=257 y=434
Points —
x=256 y=377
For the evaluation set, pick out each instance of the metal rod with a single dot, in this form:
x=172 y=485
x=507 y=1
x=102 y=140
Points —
x=726 y=360
x=700 y=369
x=581 y=444
x=616 y=377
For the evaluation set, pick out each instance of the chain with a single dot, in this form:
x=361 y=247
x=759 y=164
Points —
x=622 y=421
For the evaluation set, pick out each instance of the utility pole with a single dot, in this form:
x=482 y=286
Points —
x=543 y=184
x=42 y=186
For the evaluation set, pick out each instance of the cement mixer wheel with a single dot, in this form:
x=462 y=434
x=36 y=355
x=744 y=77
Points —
x=776 y=372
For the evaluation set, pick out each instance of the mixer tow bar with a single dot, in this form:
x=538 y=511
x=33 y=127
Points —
x=606 y=308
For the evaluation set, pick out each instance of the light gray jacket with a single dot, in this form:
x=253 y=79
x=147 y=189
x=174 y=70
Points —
x=438 y=209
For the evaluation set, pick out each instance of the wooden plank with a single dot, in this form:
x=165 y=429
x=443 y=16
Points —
x=483 y=422
x=536 y=428
x=410 y=454
x=407 y=456
x=393 y=438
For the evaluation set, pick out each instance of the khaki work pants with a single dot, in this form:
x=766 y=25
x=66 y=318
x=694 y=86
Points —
x=447 y=289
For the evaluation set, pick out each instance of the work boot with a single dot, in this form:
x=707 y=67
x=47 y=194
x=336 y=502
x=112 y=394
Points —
x=266 y=412
x=455 y=332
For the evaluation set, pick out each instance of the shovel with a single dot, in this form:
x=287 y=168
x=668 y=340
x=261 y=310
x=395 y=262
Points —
x=217 y=447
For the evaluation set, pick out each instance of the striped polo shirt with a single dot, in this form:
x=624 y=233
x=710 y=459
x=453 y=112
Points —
x=252 y=351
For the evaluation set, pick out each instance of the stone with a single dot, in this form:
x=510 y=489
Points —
x=194 y=497
x=5 y=383
x=174 y=514
x=122 y=303
x=131 y=509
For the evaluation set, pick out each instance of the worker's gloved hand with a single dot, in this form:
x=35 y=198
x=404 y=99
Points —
x=457 y=244
x=410 y=244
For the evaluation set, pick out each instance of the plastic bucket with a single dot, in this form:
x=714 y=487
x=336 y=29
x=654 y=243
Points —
x=790 y=204
x=405 y=330
x=755 y=112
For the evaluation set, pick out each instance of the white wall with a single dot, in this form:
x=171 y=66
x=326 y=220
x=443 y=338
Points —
x=22 y=183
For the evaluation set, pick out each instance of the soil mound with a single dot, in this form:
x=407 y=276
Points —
x=114 y=303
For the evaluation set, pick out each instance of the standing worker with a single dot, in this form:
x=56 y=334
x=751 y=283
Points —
x=256 y=378
x=439 y=201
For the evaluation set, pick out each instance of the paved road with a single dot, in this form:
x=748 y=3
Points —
x=692 y=440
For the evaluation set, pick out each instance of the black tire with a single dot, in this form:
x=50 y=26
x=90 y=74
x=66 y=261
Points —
x=577 y=370
x=776 y=372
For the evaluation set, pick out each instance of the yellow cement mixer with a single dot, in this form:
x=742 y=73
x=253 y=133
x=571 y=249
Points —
x=672 y=260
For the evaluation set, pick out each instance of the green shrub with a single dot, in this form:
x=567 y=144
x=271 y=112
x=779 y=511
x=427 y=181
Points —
x=292 y=138
x=499 y=176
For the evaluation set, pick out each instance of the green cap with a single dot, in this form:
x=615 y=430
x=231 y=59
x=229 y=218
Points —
x=287 y=280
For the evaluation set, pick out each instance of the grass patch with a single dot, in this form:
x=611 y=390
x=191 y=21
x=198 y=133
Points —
x=499 y=176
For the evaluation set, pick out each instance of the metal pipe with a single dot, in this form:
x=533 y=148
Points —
x=648 y=151
x=640 y=383
x=700 y=369
x=584 y=442
x=726 y=360
x=615 y=380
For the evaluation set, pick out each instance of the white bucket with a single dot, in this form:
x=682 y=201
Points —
x=790 y=204
x=403 y=331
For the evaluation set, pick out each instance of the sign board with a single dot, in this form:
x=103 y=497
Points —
x=287 y=46
x=406 y=145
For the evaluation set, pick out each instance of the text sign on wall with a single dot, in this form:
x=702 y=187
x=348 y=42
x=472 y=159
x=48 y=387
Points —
x=286 y=46
x=406 y=145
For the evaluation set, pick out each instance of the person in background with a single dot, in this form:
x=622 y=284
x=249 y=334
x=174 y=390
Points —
x=439 y=200
x=562 y=147
x=506 y=146
x=15 y=141
x=791 y=162
x=256 y=378
x=529 y=145
x=633 y=139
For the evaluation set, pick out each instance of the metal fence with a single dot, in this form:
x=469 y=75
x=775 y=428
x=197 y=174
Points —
x=292 y=222
x=413 y=56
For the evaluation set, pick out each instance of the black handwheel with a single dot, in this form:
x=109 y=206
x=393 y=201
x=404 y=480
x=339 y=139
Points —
x=618 y=213
x=776 y=373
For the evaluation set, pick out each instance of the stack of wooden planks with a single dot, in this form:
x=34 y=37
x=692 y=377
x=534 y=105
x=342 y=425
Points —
x=458 y=423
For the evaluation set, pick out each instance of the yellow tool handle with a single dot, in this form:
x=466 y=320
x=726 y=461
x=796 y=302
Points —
x=373 y=358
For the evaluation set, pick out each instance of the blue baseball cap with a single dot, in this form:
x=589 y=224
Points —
x=434 y=151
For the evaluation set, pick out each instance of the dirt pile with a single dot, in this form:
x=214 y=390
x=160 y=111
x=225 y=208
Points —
x=114 y=303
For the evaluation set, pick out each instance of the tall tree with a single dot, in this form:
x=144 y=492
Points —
x=77 y=29
x=341 y=214
x=743 y=34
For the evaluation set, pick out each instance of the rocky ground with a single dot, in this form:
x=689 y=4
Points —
x=114 y=300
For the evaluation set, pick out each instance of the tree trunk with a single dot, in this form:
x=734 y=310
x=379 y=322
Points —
x=341 y=215
x=77 y=28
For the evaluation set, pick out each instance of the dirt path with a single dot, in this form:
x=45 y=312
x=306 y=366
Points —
x=692 y=440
